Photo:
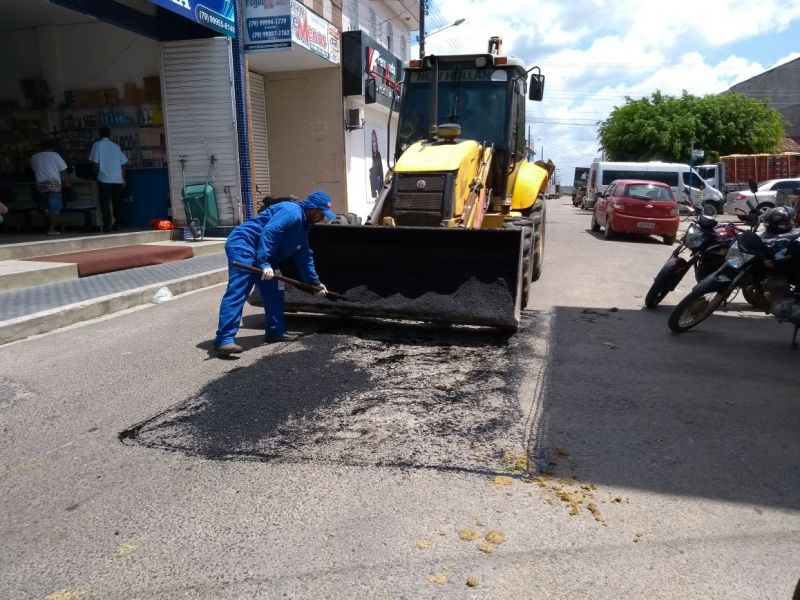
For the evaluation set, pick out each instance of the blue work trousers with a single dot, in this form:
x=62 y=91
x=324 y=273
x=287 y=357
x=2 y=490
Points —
x=240 y=284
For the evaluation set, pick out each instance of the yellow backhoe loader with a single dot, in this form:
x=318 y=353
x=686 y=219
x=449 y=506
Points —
x=457 y=232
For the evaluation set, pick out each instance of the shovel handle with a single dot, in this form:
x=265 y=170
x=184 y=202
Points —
x=293 y=282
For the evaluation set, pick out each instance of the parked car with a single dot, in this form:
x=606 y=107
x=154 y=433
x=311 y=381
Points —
x=766 y=194
x=637 y=206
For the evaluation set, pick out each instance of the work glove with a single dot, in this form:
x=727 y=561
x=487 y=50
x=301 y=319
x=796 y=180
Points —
x=320 y=290
x=267 y=273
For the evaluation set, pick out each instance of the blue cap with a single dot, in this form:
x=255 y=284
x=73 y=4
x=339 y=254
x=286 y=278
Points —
x=322 y=201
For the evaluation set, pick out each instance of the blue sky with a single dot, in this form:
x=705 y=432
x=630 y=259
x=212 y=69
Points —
x=595 y=52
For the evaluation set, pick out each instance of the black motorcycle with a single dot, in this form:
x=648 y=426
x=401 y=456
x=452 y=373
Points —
x=770 y=265
x=578 y=195
x=707 y=242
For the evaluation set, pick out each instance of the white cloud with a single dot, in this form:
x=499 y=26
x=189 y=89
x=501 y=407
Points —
x=595 y=52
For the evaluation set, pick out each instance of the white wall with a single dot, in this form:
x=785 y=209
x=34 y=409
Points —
x=19 y=58
x=358 y=151
x=98 y=55
x=400 y=30
x=85 y=56
x=306 y=134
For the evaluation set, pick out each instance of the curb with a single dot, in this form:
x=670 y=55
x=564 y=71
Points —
x=50 y=320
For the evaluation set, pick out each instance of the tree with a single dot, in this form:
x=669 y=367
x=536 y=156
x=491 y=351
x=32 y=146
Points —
x=667 y=127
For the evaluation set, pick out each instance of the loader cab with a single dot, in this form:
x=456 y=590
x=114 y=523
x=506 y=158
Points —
x=484 y=94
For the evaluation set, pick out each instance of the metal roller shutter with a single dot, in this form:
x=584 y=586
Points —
x=258 y=127
x=200 y=122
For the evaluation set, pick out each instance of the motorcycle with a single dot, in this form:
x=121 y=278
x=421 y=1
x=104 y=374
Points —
x=688 y=205
x=578 y=195
x=771 y=266
x=707 y=242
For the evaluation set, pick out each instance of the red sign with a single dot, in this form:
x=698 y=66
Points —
x=384 y=71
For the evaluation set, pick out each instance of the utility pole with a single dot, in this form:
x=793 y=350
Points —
x=422 y=8
x=531 y=153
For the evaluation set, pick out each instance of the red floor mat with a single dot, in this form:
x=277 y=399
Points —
x=94 y=262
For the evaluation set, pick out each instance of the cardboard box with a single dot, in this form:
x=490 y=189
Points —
x=110 y=96
x=152 y=88
x=133 y=94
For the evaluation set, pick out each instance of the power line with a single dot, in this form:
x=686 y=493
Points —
x=634 y=66
x=440 y=21
x=563 y=123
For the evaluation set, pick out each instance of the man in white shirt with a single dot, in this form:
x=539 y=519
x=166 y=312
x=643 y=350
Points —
x=51 y=176
x=110 y=161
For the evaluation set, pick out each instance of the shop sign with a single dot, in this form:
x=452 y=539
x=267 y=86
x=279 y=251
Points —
x=314 y=33
x=268 y=25
x=382 y=70
x=214 y=14
x=273 y=25
x=364 y=58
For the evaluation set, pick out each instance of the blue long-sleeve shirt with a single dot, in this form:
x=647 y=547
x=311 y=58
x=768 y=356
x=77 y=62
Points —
x=275 y=235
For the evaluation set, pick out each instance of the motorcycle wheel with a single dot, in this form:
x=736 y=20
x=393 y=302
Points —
x=694 y=309
x=668 y=277
x=753 y=298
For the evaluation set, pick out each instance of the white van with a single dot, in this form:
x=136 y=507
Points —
x=676 y=175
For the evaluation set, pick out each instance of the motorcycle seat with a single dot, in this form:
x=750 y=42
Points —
x=707 y=222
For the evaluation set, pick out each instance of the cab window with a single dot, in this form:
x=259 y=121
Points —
x=692 y=180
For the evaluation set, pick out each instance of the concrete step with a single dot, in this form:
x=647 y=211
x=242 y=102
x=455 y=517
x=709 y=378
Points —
x=17 y=274
x=60 y=245
x=33 y=310
x=207 y=246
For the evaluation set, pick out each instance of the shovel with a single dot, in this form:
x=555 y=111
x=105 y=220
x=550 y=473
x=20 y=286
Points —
x=293 y=282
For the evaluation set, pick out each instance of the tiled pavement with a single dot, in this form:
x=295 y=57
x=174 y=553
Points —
x=32 y=300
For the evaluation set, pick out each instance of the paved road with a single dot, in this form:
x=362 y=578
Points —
x=134 y=465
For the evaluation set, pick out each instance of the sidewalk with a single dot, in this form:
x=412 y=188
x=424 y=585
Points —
x=38 y=297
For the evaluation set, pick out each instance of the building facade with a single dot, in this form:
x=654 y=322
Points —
x=320 y=129
x=780 y=87
x=247 y=95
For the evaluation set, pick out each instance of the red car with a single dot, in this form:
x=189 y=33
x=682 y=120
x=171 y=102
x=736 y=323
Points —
x=639 y=207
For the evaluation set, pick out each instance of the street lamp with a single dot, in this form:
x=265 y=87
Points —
x=423 y=35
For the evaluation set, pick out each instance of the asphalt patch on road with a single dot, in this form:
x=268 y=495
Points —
x=443 y=398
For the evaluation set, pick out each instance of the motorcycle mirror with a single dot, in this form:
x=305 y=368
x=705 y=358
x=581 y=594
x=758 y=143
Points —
x=751 y=183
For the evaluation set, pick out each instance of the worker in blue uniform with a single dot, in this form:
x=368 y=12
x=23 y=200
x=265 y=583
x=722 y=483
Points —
x=275 y=235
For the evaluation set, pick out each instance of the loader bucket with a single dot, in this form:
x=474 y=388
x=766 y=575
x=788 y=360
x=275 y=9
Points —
x=458 y=276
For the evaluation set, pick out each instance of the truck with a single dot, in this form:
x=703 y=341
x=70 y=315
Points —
x=580 y=178
x=732 y=172
x=457 y=232
x=579 y=182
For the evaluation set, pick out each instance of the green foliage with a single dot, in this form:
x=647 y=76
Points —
x=667 y=128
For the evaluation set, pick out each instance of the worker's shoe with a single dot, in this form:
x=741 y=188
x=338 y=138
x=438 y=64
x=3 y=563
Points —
x=273 y=339
x=228 y=349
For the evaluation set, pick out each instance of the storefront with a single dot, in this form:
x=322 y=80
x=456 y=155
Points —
x=160 y=74
x=297 y=136
x=370 y=76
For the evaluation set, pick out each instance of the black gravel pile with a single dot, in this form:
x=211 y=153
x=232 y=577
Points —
x=431 y=274
x=473 y=302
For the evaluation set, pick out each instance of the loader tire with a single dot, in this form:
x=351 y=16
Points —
x=539 y=224
x=527 y=227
